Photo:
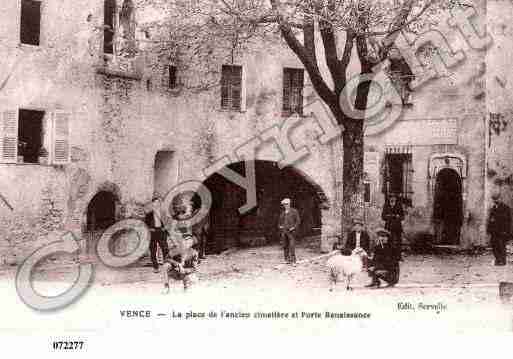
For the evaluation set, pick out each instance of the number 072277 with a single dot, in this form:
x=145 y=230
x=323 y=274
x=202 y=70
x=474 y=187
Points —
x=68 y=345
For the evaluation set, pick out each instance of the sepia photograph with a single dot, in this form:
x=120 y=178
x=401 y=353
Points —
x=264 y=168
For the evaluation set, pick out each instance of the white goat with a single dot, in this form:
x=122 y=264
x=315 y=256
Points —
x=346 y=266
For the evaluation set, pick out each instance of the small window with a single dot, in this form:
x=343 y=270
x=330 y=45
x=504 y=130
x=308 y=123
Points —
x=30 y=22
x=172 y=83
x=30 y=135
x=109 y=11
x=293 y=83
x=231 y=87
x=366 y=192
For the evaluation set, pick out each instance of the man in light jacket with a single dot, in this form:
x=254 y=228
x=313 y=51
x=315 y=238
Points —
x=288 y=225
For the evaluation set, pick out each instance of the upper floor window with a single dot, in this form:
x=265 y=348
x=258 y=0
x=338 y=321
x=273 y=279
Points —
x=172 y=79
x=231 y=87
x=293 y=83
x=32 y=136
x=30 y=22
x=109 y=13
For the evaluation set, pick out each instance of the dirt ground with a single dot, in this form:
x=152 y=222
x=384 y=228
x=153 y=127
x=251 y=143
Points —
x=465 y=288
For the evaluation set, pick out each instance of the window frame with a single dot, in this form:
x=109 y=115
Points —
x=46 y=123
x=242 y=107
x=115 y=25
x=42 y=37
x=48 y=135
x=175 y=84
x=285 y=112
x=407 y=192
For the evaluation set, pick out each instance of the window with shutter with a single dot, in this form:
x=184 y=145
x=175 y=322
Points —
x=231 y=87
x=287 y=91
x=61 y=146
x=293 y=84
x=9 y=133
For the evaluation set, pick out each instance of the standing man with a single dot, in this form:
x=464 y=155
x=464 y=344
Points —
x=393 y=215
x=499 y=228
x=288 y=224
x=158 y=233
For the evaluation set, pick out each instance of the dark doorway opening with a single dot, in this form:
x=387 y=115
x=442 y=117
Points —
x=229 y=228
x=166 y=173
x=101 y=214
x=448 y=207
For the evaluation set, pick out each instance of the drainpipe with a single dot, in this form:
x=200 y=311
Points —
x=485 y=177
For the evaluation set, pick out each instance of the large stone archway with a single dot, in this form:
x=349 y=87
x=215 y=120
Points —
x=229 y=228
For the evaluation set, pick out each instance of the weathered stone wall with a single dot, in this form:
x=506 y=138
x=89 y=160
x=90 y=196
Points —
x=119 y=123
x=456 y=94
x=499 y=105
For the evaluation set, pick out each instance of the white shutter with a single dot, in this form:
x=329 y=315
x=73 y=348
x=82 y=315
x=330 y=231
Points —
x=9 y=136
x=60 y=137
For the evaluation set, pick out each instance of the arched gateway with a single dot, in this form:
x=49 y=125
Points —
x=229 y=228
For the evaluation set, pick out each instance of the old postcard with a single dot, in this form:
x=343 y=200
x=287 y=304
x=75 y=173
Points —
x=177 y=169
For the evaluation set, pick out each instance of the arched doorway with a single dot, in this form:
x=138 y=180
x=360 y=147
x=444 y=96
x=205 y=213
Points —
x=228 y=228
x=101 y=214
x=448 y=207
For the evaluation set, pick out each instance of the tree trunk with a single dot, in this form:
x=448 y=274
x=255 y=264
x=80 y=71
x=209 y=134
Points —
x=352 y=195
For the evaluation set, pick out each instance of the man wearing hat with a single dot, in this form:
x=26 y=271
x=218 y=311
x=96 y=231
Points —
x=384 y=262
x=358 y=237
x=158 y=232
x=393 y=215
x=499 y=229
x=288 y=224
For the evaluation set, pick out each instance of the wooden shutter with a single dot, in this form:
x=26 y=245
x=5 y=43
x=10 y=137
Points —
x=287 y=91
x=225 y=87
x=236 y=86
x=60 y=138
x=9 y=133
x=297 y=90
x=408 y=177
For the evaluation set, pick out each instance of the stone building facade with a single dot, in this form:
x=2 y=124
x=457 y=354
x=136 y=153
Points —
x=119 y=126
x=117 y=132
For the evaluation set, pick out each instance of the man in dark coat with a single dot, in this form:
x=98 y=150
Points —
x=288 y=225
x=384 y=264
x=499 y=228
x=393 y=215
x=358 y=237
x=158 y=232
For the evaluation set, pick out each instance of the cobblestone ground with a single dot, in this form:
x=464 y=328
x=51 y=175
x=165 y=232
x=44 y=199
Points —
x=249 y=280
